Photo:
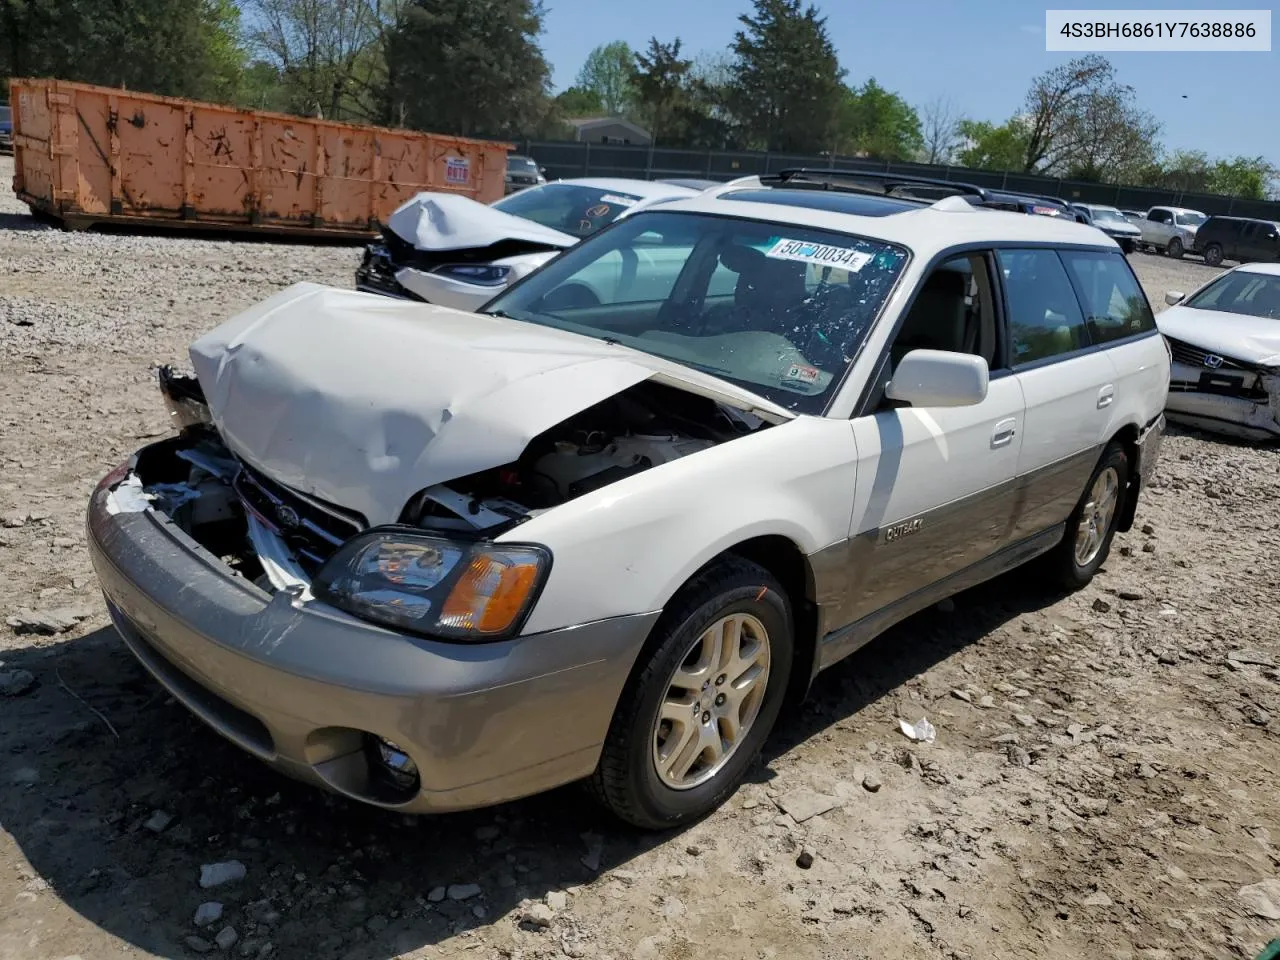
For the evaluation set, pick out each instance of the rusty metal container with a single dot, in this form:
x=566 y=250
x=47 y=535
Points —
x=86 y=154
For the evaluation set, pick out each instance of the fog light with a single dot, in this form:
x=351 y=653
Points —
x=393 y=764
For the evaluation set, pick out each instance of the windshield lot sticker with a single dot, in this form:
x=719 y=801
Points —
x=599 y=210
x=620 y=201
x=845 y=258
x=799 y=373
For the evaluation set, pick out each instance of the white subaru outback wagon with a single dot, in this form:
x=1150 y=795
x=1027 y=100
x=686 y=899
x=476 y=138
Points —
x=604 y=528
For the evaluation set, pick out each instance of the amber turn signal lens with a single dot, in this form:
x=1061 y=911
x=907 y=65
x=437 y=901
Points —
x=491 y=593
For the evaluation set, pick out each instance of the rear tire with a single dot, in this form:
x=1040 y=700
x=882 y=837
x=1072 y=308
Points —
x=1092 y=525
x=660 y=767
x=1175 y=249
x=1213 y=254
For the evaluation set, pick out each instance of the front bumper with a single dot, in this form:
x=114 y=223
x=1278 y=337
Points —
x=301 y=685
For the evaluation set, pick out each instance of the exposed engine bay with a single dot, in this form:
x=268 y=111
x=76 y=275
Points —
x=279 y=537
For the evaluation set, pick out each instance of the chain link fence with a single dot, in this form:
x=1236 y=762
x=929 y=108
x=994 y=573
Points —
x=564 y=159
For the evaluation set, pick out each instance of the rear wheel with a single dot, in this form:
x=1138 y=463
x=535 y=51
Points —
x=1213 y=254
x=1175 y=249
x=1092 y=525
x=696 y=714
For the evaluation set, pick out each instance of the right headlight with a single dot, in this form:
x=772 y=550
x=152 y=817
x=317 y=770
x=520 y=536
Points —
x=435 y=586
x=481 y=274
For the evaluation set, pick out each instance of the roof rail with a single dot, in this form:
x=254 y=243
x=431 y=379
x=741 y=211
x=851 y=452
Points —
x=862 y=180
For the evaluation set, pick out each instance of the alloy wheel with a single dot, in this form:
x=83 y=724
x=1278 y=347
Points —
x=1096 y=516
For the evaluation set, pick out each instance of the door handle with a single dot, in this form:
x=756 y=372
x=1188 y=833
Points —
x=1105 y=396
x=1004 y=433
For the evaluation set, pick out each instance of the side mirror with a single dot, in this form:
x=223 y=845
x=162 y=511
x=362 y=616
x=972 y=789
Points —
x=939 y=378
x=543 y=171
x=1174 y=297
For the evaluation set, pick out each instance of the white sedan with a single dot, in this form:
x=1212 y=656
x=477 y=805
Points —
x=448 y=249
x=1225 y=341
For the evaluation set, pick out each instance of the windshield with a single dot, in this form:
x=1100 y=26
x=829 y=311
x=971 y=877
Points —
x=1191 y=219
x=1108 y=213
x=569 y=207
x=521 y=165
x=1252 y=294
x=777 y=309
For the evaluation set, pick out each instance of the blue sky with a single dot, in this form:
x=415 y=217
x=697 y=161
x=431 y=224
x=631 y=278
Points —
x=980 y=53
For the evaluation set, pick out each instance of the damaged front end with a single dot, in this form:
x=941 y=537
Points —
x=281 y=538
x=1224 y=395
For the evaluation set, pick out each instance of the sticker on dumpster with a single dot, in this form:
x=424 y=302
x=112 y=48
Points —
x=457 y=170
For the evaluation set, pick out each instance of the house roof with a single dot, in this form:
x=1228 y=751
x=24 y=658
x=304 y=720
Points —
x=587 y=123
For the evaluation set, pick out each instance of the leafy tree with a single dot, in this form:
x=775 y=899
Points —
x=1250 y=178
x=879 y=123
x=469 y=67
x=186 y=48
x=786 y=93
x=607 y=74
x=985 y=146
x=660 y=80
x=1052 y=107
x=577 y=102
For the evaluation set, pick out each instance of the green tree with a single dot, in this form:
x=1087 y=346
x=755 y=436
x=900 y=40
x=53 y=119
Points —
x=1250 y=178
x=985 y=146
x=660 y=79
x=786 y=93
x=187 y=48
x=469 y=67
x=879 y=123
x=607 y=74
x=577 y=102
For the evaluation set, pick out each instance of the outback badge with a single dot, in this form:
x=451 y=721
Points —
x=904 y=529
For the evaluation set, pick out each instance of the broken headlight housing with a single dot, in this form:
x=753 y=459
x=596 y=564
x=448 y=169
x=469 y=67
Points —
x=480 y=274
x=183 y=398
x=465 y=590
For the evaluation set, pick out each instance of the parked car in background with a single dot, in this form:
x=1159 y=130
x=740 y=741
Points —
x=523 y=172
x=1171 y=230
x=1243 y=239
x=434 y=560
x=1225 y=341
x=1134 y=214
x=1029 y=203
x=6 y=128
x=448 y=249
x=1111 y=222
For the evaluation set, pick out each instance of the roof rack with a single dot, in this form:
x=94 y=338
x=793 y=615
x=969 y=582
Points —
x=862 y=181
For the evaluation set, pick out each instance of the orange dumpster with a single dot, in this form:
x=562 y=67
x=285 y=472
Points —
x=86 y=154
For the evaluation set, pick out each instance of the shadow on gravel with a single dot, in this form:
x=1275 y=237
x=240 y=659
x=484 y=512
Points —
x=177 y=229
x=326 y=878
x=908 y=650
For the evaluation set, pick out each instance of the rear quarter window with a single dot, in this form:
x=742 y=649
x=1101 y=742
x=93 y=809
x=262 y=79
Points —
x=1114 y=305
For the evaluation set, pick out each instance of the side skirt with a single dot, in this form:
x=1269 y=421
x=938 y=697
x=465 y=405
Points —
x=839 y=644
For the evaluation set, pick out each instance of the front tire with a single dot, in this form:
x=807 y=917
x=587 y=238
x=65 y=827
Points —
x=1092 y=525
x=1213 y=254
x=696 y=712
x=1175 y=249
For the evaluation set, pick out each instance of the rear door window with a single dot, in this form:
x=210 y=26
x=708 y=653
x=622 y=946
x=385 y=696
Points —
x=1115 y=306
x=1045 y=319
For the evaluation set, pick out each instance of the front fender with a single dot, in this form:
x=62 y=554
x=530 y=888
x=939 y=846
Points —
x=630 y=546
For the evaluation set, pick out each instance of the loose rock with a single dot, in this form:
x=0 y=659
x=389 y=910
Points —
x=871 y=783
x=226 y=938
x=159 y=821
x=216 y=874
x=14 y=683
x=536 y=917
x=557 y=900
x=1262 y=899
x=437 y=894
x=463 y=891
x=46 y=623
x=208 y=913
x=487 y=833
x=804 y=804
x=1101 y=606
x=805 y=860
x=964 y=695
x=199 y=945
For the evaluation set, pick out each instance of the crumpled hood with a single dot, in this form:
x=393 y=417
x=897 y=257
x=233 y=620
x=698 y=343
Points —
x=363 y=400
x=448 y=221
x=1244 y=338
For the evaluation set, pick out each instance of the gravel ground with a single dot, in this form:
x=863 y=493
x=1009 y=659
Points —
x=1102 y=783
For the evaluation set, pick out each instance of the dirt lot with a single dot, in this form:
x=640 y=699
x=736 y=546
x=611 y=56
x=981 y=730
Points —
x=1103 y=781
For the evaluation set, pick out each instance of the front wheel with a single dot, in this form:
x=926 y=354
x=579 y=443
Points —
x=698 y=709
x=1092 y=525
x=1213 y=254
x=1175 y=249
